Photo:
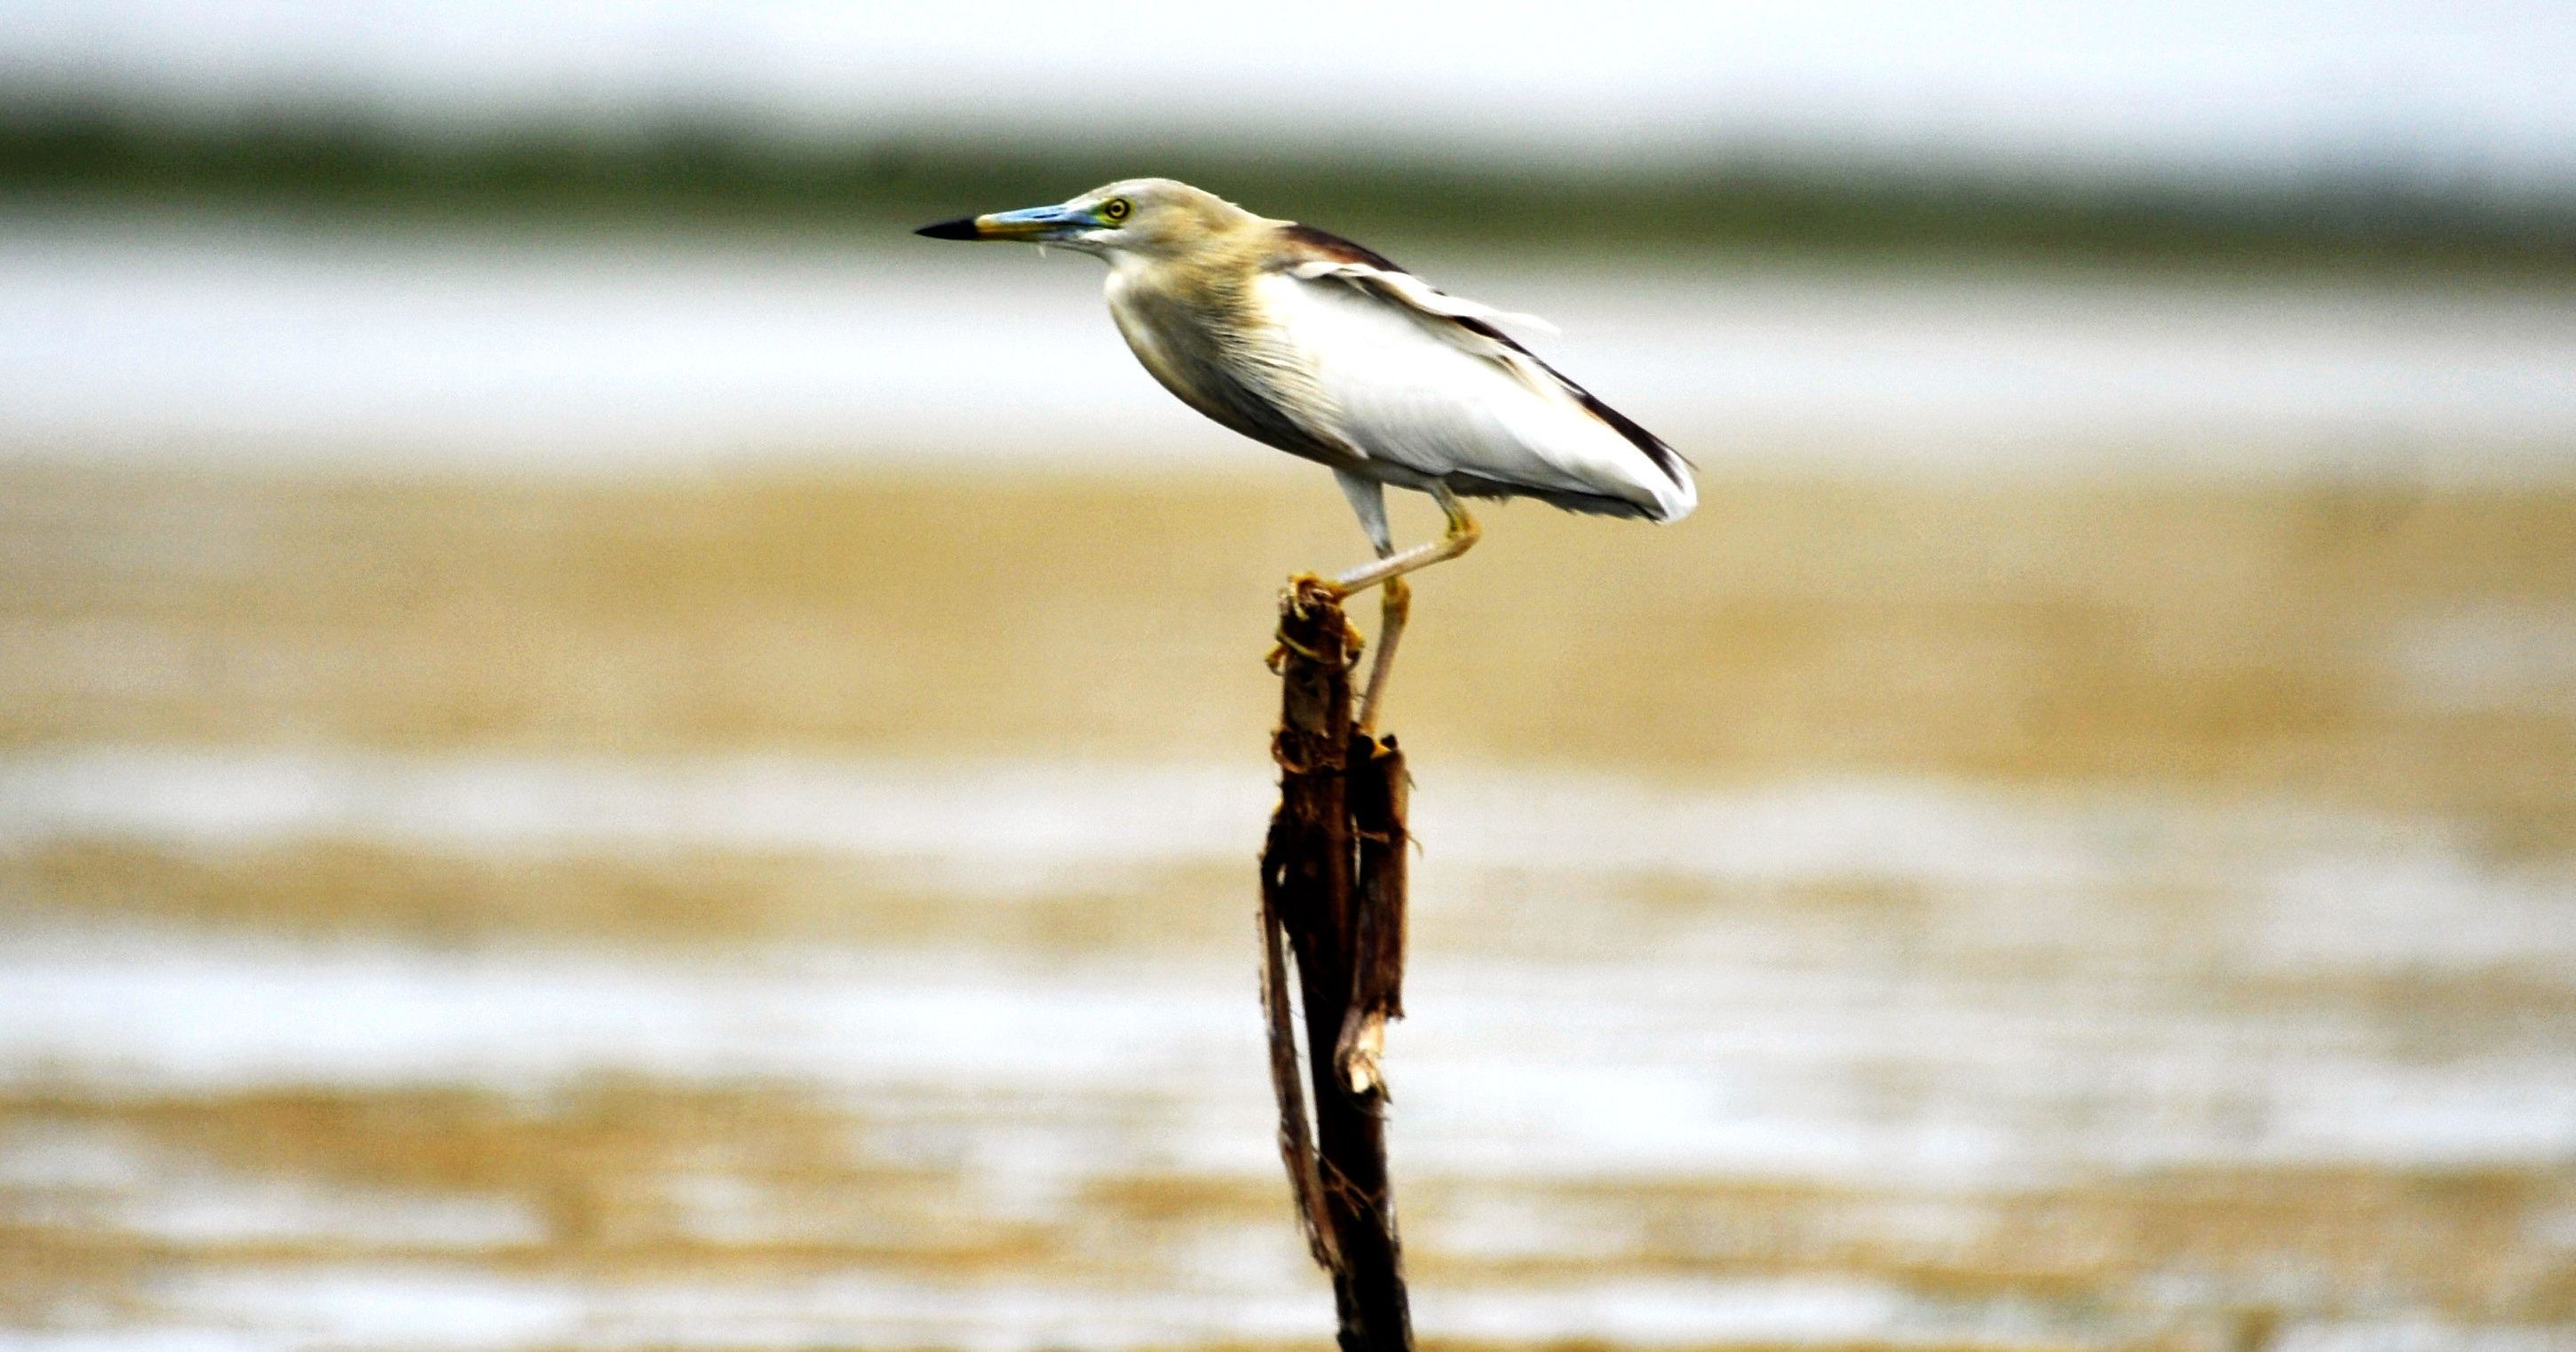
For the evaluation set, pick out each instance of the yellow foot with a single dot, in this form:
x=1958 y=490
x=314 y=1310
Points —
x=1303 y=590
x=1305 y=587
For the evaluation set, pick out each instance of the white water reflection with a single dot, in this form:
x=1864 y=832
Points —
x=615 y=353
x=1878 y=1073
x=1030 y=820
x=1640 y=979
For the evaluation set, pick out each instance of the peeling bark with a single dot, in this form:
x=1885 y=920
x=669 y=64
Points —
x=1332 y=896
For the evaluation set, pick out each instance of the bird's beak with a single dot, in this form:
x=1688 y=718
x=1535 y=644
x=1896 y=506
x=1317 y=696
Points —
x=1036 y=224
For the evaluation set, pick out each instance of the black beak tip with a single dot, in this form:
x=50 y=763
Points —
x=961 y=228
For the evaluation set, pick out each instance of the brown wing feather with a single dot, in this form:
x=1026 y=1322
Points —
x=1326 y=244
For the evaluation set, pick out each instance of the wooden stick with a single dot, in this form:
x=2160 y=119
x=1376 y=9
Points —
x=1332 y=888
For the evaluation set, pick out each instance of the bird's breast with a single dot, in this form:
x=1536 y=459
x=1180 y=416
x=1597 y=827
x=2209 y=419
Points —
x=1218 y=357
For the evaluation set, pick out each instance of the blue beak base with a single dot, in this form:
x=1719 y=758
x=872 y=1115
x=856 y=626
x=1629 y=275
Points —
x=1033 y=224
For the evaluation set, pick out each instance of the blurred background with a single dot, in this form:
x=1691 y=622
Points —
x=600 y=748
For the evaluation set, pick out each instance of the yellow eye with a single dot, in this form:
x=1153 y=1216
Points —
x=1116 y=209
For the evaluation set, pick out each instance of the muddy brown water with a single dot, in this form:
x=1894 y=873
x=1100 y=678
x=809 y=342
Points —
x=786 y=911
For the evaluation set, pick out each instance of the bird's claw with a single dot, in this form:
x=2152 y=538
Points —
x=1303 y=590
x=1306 y=588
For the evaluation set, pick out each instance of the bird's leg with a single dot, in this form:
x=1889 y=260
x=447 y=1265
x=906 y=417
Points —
x=1458 y=539
x=1394 y=603
x=1368 y=499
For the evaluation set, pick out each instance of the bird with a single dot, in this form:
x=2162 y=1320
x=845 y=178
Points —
x=1311 y=344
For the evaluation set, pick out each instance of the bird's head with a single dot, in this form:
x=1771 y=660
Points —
x=1154 y=218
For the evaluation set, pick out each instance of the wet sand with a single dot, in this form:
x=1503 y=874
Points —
x=492 y=913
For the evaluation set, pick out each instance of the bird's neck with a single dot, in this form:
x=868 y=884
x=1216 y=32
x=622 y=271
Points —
x=1198 y=283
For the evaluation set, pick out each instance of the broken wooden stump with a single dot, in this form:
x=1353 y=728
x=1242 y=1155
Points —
x=1332 y=897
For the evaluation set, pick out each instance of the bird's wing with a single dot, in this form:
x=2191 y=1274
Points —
x=1425 y=381
x=1414 y=293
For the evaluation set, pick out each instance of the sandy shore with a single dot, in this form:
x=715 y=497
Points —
x=483 y=913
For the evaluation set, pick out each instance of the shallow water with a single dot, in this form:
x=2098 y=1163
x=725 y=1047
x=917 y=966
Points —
x=199 y=341
x=2104 y=1072
x=499 y=914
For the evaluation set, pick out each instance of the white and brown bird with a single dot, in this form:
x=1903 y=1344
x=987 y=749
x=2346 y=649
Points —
x=1307 y=342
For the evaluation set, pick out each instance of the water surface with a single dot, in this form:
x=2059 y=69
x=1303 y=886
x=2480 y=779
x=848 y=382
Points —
x=518 y=912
